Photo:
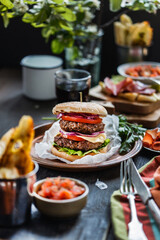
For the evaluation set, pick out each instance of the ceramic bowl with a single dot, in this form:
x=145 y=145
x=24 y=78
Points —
x=60 y=208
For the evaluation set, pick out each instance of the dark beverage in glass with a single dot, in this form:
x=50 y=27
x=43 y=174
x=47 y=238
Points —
x=69 y=84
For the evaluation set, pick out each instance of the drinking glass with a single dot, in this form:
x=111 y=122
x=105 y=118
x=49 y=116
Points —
x=72 y=85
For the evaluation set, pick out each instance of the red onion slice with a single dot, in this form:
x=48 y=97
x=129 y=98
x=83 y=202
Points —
x=59 y=115
x=79 y=115
x=80 y=134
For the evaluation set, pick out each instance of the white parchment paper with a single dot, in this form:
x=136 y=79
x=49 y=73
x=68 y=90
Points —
x=43 y=149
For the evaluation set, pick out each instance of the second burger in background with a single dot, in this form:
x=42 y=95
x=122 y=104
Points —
x=81 y=130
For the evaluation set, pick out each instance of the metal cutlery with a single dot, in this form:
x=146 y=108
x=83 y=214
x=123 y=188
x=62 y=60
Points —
x=126 y=187
x=144 y=193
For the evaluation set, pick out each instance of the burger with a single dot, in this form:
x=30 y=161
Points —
x=81 y=130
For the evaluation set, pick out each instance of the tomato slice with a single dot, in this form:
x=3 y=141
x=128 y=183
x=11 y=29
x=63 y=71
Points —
x=75 y=138
x=83 y=120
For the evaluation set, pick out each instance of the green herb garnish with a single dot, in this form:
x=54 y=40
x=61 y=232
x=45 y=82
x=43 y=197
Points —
x=129 y=134
x=117 y=79
x=50 y=118
x=81 y=153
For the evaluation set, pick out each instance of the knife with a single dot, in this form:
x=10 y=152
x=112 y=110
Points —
x=144 y=193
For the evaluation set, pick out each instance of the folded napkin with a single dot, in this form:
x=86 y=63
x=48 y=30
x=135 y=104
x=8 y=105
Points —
x=120 y=209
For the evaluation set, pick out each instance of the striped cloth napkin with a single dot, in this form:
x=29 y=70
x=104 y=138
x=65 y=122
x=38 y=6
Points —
x=120 y=210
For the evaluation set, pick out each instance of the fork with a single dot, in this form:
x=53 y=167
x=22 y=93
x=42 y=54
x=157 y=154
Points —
x=127 y=188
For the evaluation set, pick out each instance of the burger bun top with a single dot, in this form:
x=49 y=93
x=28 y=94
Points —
x=80 y=107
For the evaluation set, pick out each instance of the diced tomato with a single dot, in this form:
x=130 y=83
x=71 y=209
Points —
x=65 y=194
x=67 y=183
x=77 y=190
x=59 y=189
x=47 y=192
x=41 y=193
x=83 y=120
x=57 y=181
x=46 y=184
x=144 y=71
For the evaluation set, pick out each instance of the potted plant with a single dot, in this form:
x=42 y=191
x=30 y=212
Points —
x=71 y=25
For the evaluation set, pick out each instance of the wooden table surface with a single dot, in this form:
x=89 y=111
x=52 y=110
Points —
x=94 y=221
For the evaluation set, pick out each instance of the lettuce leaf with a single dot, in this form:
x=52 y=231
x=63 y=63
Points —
x=78 y=152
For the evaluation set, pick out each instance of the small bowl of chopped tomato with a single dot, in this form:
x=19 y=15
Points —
x=60 y=196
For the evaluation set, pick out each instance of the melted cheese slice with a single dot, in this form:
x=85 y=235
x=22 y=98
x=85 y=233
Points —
x=100 y=138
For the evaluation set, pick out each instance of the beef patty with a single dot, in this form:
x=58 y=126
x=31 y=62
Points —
x=86 y=128
x=82 y=145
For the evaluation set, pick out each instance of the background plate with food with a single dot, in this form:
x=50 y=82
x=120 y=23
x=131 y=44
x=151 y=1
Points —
x=127 y=88
x=151 y=140
x=141 y=71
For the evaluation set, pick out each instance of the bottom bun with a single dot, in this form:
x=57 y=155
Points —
x=74 y=157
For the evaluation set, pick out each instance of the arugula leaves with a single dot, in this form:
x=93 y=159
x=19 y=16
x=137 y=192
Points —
x=129 y=134
x=81 y=153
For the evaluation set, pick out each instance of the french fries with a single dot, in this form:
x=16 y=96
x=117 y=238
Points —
x=15 y=147
x=128 y=34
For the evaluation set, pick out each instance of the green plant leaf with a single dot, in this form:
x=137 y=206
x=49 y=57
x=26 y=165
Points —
x=129 y=134
x=66 y=13
x=41 y=16
x=47 y=32
x=7 y=3
x=115 y=5
x=5 y=20
x=68 y=41
x=28 y=18
x=65 y=26
x=73 y=53
x=57 y=46
x=69 y=15
x=58 y=1
x=3 y=8
x=35 y=25
x=80 y=16
x=30 y=2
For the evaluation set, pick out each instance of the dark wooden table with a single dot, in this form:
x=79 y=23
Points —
x=94 y=221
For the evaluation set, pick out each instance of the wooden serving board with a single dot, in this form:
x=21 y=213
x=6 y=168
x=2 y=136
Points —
x=149 y=121
x=124 y=106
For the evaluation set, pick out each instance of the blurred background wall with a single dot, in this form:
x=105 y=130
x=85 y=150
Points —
x=20 y=39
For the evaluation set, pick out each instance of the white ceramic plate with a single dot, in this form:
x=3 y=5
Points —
x=122 y=69
x=152 y=150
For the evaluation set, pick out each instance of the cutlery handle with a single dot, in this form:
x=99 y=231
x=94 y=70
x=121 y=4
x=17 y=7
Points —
x=154 y=210
x=136 y=231
x=135 y=227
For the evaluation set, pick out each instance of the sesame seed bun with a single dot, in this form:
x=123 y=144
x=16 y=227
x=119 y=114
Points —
x=73 y=157
x=80 y=107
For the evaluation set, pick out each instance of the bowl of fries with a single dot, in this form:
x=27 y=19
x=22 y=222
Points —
x=17 y=173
